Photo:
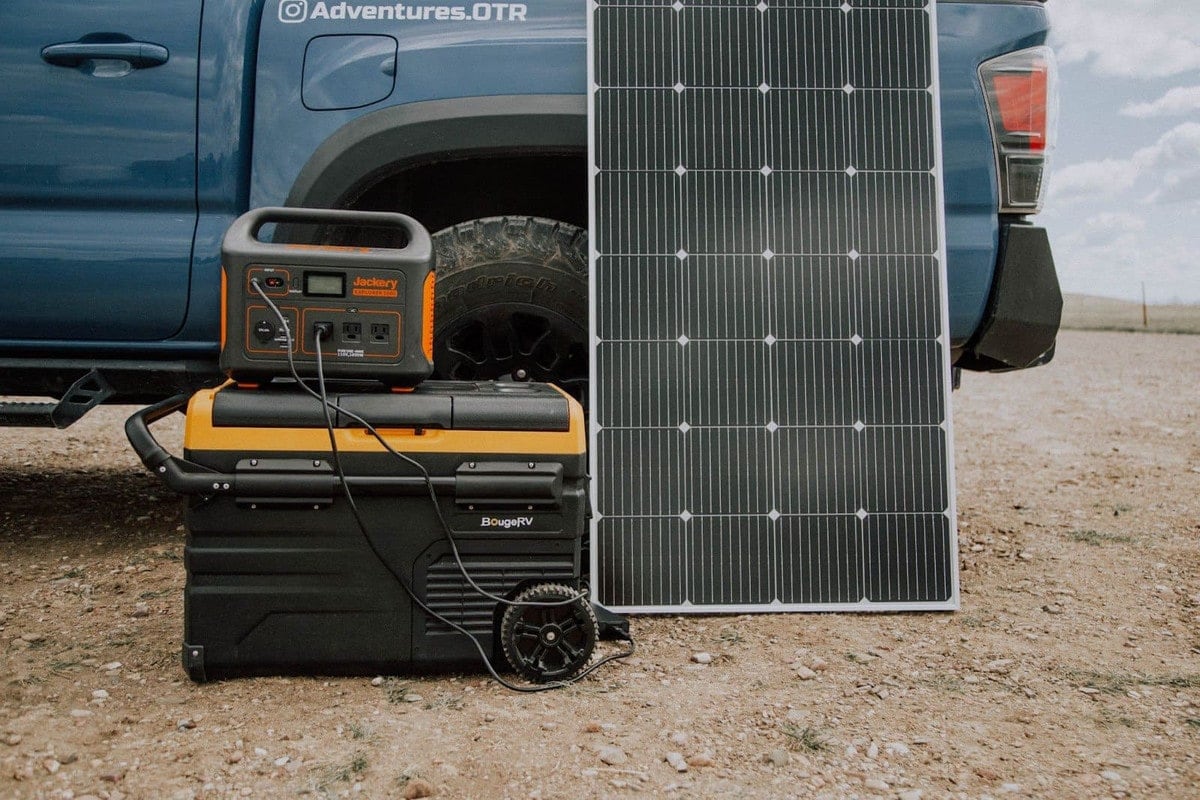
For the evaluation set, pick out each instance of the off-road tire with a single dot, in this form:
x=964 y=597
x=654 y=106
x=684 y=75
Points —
x=512 y=301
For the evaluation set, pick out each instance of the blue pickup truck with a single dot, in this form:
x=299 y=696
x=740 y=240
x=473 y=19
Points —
x=132 y=133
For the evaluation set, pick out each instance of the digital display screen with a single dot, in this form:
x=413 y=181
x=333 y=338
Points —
x=318 y=284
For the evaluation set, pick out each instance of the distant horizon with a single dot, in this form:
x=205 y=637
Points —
x=1134 y=300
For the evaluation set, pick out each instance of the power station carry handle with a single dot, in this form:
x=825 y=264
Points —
x=245 y=229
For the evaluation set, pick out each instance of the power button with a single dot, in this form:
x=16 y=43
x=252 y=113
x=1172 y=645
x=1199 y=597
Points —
x=264 y=330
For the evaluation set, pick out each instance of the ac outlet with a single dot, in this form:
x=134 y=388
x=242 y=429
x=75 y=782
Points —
x=381 y=333
x=352 y=332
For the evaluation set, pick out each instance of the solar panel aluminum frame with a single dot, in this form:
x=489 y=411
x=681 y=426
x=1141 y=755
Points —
x=952 y=602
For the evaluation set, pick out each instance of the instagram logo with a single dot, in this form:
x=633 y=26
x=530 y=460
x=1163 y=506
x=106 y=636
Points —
x=293 y=10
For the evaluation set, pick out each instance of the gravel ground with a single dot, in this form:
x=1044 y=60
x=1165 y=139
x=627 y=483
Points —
x=1072 y=670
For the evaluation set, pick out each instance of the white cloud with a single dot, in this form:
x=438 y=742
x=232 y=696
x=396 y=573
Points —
x=1169 y=170
x=1112 y=224
x=1091 y=178
x=1128 y=38
x=1180 y=100
x=1115 y=264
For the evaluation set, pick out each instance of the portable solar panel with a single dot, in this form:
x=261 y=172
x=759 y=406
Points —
x=770 y=421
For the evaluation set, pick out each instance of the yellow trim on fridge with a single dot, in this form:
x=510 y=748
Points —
x=201 y=435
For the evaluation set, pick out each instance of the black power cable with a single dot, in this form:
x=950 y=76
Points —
x=335 y=459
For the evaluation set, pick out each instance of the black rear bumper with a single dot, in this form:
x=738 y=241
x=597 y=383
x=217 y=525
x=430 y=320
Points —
x=1024 y=311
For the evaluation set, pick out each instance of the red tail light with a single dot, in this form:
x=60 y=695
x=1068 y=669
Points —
x=1022 y=102
x=1021 y=92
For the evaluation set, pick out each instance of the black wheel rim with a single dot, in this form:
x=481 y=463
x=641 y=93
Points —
x=550 y=642
x=521 y=343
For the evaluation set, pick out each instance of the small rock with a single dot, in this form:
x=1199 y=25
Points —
x=418 y=788
x=413 y=698
x=700 y=760
x=235 y=757
x=260 y=752
x=873 y=751
x=1112 y=776
x=702 y=658
x=51 y=765
x=279 y=762
x=880 y=692
x=818 y=664
x=140 y=611
x=593 y=727
x=898 y=749
x=777 y=758
x=13 y=739
x=32 y=638
x=80 y=713
x=100 y=694
x=1052 y=608
x=112 y=776
x=804 y=673
x=377 y=680
x=613 y=756
x=677 y=761
x=1089 y=690
x=1000 y=666
x=679 y=738
x=1010 y=788
x=185 y=724
x=110 y=666
x=912 y=794
x=1025 y=555
x=876 y=785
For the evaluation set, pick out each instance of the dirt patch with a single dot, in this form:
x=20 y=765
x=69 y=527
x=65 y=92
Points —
x=1073 y=669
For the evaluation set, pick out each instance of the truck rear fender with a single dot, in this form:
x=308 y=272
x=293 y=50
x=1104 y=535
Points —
x=374 y=147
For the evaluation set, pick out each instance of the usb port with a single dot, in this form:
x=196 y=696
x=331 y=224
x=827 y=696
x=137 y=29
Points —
x=380 y=333
x=351 y=331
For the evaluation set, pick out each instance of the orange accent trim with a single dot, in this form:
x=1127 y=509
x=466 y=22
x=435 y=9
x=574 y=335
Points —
x=200 y=435
x=224 y=303
x=334 y=247
x=427 y=318
x=401 y=389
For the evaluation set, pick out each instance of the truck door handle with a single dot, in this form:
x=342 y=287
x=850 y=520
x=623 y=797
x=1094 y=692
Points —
x=139 y=55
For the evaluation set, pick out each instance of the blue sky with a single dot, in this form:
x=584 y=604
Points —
x=1124 y=195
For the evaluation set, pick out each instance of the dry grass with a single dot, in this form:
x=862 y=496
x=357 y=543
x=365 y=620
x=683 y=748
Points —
x=1088 y=313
